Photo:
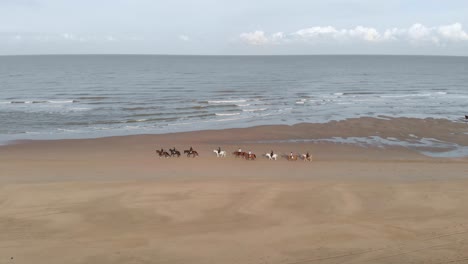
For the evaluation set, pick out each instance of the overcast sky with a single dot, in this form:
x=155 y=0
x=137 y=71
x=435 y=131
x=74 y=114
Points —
x=431 y=27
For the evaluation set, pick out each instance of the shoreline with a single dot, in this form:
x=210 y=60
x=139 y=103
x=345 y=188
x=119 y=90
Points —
x=435 y=138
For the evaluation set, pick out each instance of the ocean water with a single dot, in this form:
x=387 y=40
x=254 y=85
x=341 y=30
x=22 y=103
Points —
x=53 y=97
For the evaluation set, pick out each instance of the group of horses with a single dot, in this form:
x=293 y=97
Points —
x=270 y=156
x=175 y=153
x=238 y=154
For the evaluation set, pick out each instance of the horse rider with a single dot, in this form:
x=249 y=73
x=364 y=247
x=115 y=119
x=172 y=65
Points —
x=307 y=156
x=191 y=150
x=219 y=150
x=271 y=154
x=240 y=150
x=291 y=156
x=250 y=153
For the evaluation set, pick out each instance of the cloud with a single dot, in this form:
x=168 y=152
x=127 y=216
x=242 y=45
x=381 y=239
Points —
x=256 y=38
x=184 y=37
x=365 y=33
x=415 y=35
x=453 y=32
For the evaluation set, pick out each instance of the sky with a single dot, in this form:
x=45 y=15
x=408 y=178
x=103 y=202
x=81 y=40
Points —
x=236 y=27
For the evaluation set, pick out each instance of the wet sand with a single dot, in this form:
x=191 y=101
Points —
x=112 y=200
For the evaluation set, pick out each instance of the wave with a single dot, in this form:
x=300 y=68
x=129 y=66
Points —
x=254 y=110
x=140 y=108
x=227 y=114
x=227 y=101
x=42 y=102
x=93 y=97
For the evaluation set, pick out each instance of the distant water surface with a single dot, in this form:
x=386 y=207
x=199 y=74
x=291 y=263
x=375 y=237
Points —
x=52 y=97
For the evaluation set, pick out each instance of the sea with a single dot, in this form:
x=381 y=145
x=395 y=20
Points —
x=89 y=96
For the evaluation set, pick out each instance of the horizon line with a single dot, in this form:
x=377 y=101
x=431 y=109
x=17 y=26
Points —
x=227 y=55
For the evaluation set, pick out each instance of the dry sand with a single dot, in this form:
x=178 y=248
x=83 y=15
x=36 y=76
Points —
x=112 y=200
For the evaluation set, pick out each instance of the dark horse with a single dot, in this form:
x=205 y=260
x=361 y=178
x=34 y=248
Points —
x=163 y=153
x=238 y=154
x=174 y=152
x=192 y=153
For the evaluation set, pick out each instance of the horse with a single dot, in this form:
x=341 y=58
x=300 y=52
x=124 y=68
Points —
x=292 y=157
x=305 y=158
x=274 y=157
x=221 y=154
x=163 y=153
x=174 y=152
x=193 y=153
x=238 y=154
x=250 y=156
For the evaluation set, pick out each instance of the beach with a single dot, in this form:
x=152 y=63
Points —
x=113 y=200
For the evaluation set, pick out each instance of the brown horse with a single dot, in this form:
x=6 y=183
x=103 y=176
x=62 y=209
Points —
x=238 y=154
x=250 y=156
x=292 y=157
x=163 y=153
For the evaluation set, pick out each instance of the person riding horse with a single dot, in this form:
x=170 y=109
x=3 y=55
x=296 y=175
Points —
x=191 y=150
x=307 y=155
x=219 y=150
x=271 y=154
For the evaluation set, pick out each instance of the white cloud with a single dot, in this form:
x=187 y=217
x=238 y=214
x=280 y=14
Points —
x=68 y=36
x=256 y=38
x=453 y=32
x=317 y=32
x=110 y=38
x=184 y=37
x=365 y=33
x=278 y=37
x=415 y=34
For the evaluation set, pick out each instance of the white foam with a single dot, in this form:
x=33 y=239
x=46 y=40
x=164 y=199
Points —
x=254 y=110
x=231 y=119
x=61 y=102
x=227 y=114
x=227 y=101
x=80 y=109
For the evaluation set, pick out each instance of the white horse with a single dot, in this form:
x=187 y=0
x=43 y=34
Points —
x=270 y=157
x=221 y=154
x=304 y=157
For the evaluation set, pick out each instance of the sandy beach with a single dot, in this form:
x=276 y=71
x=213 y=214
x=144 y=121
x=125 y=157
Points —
x=112 y=200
